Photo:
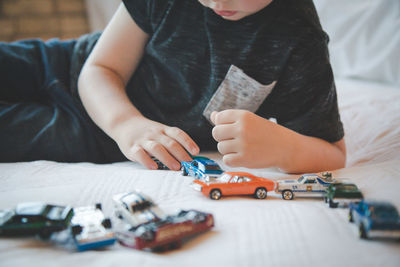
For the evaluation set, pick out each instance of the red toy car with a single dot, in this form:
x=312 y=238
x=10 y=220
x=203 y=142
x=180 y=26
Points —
x=166 y=233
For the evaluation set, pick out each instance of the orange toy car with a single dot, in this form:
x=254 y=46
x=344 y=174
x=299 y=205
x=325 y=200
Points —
x=235 y=183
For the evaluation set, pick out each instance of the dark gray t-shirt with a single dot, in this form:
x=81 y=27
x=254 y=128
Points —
x=274 y=62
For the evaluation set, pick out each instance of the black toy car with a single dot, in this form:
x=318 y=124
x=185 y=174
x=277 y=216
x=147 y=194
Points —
x=342 y=193
x=35 y=218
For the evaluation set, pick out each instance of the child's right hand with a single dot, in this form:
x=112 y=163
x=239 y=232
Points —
x=140 y=138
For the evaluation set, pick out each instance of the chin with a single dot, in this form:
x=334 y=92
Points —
x=235 y=18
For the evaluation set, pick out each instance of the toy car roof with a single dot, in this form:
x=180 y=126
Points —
x=133 y=197
x=31 y=208
x=247 y=174
x=313 y=175
x=342 y=184
x=375 y=203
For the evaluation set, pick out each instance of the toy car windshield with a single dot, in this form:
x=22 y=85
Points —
x=300 y=179
x=348 y=187
x=55 y=212
x=212 y=168
x=6 y=215
x=224 y=178
x=142 y=206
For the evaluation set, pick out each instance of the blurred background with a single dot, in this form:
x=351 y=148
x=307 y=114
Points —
x=364 y=34
x=65 y=19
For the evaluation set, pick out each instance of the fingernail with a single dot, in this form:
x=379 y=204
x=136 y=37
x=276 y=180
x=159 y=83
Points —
x=153 y=167
x=176 y=166
x=193 y=150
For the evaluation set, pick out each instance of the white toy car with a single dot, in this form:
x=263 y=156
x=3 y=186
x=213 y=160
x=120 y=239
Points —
x=90 y=228
x=136 y=208
x=306 y=185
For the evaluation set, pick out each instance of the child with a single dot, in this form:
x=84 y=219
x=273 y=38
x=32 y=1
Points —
x=168 y=77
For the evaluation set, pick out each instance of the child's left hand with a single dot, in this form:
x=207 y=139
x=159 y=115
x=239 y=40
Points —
x=248 y=140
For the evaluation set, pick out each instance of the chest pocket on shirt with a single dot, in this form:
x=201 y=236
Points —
x=238 y=91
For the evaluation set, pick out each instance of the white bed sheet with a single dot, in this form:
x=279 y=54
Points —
x=247 y=232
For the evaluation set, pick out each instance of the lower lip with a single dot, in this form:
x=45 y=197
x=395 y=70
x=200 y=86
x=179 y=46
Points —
x=225 y=13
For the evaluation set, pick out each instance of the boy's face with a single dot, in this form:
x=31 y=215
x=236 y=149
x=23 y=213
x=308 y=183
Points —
x=235 y=9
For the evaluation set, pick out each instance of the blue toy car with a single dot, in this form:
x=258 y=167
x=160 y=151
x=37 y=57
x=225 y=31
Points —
x=375 y=219
x=200 y=168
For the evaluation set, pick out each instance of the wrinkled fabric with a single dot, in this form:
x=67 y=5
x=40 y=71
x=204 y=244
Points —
x=39 y=117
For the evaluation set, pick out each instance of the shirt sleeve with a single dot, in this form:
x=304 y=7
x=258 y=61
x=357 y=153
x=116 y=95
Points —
x=307 y=93
x=140 y=11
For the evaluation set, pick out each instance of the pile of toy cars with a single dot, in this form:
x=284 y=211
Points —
x=145 y=225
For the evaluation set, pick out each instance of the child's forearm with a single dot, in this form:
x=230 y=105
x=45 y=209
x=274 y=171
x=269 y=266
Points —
x=310 y=154
x=103 y=95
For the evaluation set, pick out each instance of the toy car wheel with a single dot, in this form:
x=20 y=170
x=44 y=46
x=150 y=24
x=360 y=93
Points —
x=215 y=194
x=107 y=223
x=184 y=172
x=362 y=232
x=76 y=229
x=98 y=206
x=45 y=234
x=287 y=194
x=332 y=204
x=351 y=219
x=261 y=193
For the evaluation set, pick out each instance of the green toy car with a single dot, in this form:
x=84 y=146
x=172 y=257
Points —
x=34 y=218
x=342 y=193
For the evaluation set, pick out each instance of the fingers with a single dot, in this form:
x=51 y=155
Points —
x=228 y=146
x=212 y=116
x=169 y=146
x=224 y=132
x=160 y=152
x=174 y=148
x=226 y=116
x=183 y=138
x=137 y=153
x=232 y=159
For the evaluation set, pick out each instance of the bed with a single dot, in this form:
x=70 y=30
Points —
x=249 y=232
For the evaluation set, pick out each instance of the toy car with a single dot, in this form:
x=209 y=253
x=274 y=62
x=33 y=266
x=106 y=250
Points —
x=200 y=168
x=160 y=165
x=167 y=233
x=342 y=193
x=90 y=228
x=35 y=218
x=306 y=185
x=136 y=208
x=375 y=219
x=235 y=183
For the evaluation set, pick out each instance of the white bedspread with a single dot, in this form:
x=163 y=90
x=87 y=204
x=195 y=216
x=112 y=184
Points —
x=247 y=232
